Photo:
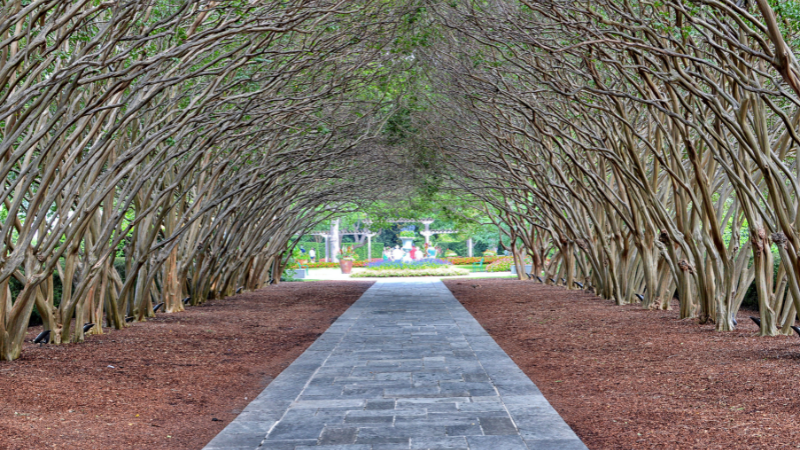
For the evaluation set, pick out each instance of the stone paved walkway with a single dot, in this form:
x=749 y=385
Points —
x=406 y=367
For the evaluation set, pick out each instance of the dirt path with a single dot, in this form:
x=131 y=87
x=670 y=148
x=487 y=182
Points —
x=170 y=383
x=627 y=378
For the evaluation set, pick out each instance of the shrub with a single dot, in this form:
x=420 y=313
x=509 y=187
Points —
x=407 y=234
x=377 y=251
x=298 y=254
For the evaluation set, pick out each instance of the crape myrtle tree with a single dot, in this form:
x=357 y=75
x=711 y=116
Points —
x=644 y=147
x=637 y=148
x=195 y=139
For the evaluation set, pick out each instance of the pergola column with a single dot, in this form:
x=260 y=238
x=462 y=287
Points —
x=427 y=233
x=369 y=245
x=335 y=240
x=469 y=247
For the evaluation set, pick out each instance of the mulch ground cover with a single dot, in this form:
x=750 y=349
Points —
x=626 y=378
x=172 y=382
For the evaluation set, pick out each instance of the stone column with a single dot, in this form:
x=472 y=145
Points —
x=469 y=247
x=335 y=240
x=327 y=250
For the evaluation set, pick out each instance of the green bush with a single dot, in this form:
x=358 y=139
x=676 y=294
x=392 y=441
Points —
x=298 y=254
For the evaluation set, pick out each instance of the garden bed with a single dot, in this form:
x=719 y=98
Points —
x=170 y=383
x=434 y=272
x=626 y=378
x=462 y=260
x=331 y=265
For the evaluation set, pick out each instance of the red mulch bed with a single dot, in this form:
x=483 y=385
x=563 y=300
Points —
x=171 y=377
x=625 y=378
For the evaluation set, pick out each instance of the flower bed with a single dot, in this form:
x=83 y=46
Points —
x=332 y=265
x=441 y=271
x=504 y=264
x=501 y=265
x=420 y=264
x=458 y=261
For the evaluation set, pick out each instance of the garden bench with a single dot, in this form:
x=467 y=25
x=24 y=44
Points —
x=478 y=266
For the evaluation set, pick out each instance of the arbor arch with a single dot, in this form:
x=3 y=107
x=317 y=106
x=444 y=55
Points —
x=638 y=148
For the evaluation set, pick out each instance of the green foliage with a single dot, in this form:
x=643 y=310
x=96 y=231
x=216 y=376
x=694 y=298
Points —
x=788 y=15
x=288 y=275
x=297 y=253
x=399 y=128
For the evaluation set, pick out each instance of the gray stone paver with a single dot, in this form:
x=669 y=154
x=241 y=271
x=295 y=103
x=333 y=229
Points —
x=406 y=367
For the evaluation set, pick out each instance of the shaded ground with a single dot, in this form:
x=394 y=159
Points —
x=626 y=378
x=171 y=383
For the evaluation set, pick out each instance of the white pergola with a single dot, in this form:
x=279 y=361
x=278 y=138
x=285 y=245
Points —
x=427 y=233
x=327 y=235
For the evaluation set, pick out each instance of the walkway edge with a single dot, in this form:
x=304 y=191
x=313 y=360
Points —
x=538 y=425
x=249 y=429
